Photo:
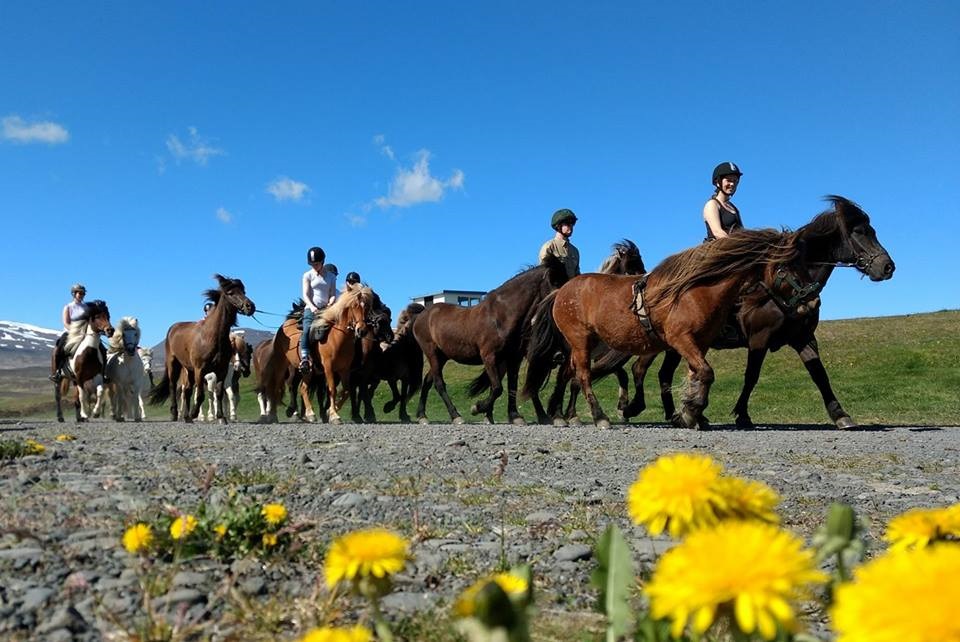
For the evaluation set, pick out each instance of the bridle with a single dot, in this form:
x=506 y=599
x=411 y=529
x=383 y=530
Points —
x=798 y=293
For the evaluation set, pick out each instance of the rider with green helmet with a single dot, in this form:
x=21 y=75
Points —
x=560 y=246
x=720 y=215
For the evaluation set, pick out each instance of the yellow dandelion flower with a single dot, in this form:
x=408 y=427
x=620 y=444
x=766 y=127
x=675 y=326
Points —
x=902 y=596
x=274 y=513
x=183 y=526
x=513 y=585
x=269 y=540
x=66 y=437
x=334 y=634
x=34 y=447
x=915 y=528
x=220 y=530
x=748 y=499
x=755 y=568
x=949 y=521
x=377 y=552
x=137 y=538
x=677 y=492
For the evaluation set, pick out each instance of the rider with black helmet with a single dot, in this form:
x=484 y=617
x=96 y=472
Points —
x=720 y=215
x=560 y=246
x=318 y=290
x=352 y=281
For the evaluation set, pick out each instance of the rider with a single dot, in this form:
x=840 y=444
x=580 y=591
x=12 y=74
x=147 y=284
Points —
x=353 y=281
x=319 y=289
x=71 y=311
x=720 y=215
x=560 y=246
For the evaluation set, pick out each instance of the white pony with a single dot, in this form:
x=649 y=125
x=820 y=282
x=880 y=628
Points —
x=125 y=371
x=146 y=358
x=239 y=366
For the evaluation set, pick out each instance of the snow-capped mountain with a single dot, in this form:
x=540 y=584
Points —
x=23 y=345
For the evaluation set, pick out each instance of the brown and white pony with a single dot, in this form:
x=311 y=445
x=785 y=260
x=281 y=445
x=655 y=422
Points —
x=197 y=348
x=239 y=367
x=85 y=363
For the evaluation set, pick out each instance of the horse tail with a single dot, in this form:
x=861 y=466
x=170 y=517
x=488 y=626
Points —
x=160 y=392
x=479 y=385
x=545 y=341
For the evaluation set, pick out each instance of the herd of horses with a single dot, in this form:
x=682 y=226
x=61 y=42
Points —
x=756 y=289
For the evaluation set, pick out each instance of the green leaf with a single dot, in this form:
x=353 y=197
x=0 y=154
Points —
x=614 y=577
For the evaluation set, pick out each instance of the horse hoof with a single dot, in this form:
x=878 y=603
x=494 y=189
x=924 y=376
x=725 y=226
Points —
x=487 y=421
x=405 y=419
x=574 y=421
x=559 y=422
x=423 y=421
x=603 y=424
x=335 y=421
x=457 y=421
x=60 y=419
x=846 y=423
x=703 y=423
x=519 y=421
x=688 y=420
x=744 y=421
x=475 y=409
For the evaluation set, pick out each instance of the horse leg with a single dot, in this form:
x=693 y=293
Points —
x=810 y=354
x=485 y=406
x=570 y=416
x=671 y=359
x=303 y=393
x=441 y=387
x=580 y=358
x=232 y=400
x=218 y=395
x=622 y=398
x=700 y=377
x=76 y=402
x=639 y=369
x=404 y=397
x=209 y=410
x=294 y=387
x=513 y=414
x=199 y=393
x=390 y=405
x=58 y=393
x=368 y=389
x=554 y=412
x=98 y=406
x=750 y=378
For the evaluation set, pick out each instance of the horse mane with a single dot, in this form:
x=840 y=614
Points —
x=620 y=248
x=709 y=262
x=332 y=313
x=78 y=326
x=833 y=220
x=414 y=308
x=555 y=270
x=116 y=341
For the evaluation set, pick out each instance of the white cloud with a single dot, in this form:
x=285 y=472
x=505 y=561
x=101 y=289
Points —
x=287 y=189
x=223 y=215
x=197 y=149
x=20 y=131
x=356 y=220
x=417 y=185
x=386 y=150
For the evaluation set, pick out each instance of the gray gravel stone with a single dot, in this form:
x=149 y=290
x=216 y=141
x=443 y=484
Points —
x=573 y=553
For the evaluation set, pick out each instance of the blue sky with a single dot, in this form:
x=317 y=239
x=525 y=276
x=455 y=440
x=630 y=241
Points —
x=146 y=146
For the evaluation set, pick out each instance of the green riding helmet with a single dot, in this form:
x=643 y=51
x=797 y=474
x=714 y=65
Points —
x=725 y=169
x=562 y=216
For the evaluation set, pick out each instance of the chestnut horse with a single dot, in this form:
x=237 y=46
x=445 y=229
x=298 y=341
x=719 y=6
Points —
x=85 y=360
x=333 y=357
x=625 y=259
x=686 y=300
x=841 y=236
x=490 y=333
x=201 y=347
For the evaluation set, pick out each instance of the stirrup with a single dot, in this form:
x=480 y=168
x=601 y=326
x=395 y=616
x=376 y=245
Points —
x=56 y=377
x=304 y=367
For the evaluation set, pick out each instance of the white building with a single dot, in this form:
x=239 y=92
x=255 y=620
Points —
x=465 y=298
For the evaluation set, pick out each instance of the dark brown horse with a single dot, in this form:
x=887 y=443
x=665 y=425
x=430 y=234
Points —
x=367 y=360
x=400 y=363
x=489 y=334
x=625 y=259
x=686 y=300
x=839 y=237
x=198 y=348
x=84 y=362
x=332 y=359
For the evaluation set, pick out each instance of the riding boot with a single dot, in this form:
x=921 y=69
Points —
x=56 y=366
x=103 y=362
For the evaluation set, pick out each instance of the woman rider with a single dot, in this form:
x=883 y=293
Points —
x=720 y=215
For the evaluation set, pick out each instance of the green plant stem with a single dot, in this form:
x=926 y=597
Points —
x=379 y=622
x=842 y=568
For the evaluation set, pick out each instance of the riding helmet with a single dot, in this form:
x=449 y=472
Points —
x=725 y=169
x=77 y=287
x=353 y=277
x=332 y=269
x=562 y=216
x=207 y=306
x=315 y=255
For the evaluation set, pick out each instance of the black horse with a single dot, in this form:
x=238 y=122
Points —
x=839 y=237
x=489 y=334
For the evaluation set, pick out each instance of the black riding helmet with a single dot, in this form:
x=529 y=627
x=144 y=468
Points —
x=316 y=255
x=562 y=216
x=725 y=169
x=353 y=278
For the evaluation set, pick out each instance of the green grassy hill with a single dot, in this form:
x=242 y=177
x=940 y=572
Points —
x=886 y=370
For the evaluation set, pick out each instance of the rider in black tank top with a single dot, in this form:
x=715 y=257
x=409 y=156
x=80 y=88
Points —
x=720 y=215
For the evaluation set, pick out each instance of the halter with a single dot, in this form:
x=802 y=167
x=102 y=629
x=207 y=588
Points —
x=798 y=293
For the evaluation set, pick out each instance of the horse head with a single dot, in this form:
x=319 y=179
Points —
x=379 y=319
x=98 y=316
x=355 y=312
x=234 y=294
x=406 y=319
x=625 y=259
x=127 y=338
x=243 y=352
x=861 y=249
x=146 y=358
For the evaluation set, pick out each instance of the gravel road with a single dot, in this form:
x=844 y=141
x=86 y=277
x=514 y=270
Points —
x=467 y=494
